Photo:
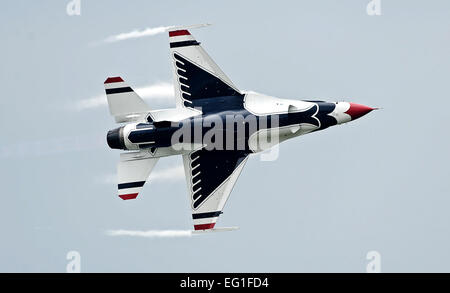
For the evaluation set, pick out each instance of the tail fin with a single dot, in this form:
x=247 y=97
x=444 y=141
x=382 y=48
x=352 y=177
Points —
x=124 y=104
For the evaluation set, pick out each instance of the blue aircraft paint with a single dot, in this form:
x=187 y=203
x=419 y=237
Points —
x=160 y=133
x=199 y=87
x=203 y=184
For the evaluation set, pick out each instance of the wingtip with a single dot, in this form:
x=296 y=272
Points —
x=186 y=27
x=220 y=229
x=113 y=79
x=128 y=196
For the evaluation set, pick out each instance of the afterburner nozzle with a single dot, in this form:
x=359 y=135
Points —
x=115 y=139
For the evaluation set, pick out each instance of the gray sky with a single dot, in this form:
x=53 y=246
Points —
x=380 y=183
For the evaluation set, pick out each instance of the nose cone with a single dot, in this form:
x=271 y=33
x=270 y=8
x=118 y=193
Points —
x=356 y=110
x=115 y=139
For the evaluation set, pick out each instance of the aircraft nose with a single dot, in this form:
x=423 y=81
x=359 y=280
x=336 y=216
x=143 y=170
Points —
x=115 y=139
x=356 y=110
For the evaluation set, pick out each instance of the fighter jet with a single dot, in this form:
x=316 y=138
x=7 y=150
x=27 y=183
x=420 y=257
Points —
x=214 y=126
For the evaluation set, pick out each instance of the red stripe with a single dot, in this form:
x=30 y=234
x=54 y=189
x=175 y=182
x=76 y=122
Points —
x=128 y=196
x=113 y=79
x=204 y=226
x=179 y=33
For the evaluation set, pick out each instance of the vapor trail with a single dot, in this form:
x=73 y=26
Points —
x=160 y=91
x=151 y=233
x=171 y=174
x=135 y=34
x=150 y=31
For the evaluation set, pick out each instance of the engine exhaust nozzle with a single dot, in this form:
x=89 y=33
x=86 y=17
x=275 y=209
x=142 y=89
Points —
x=115 y=139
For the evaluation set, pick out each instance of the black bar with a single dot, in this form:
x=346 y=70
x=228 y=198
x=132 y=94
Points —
x=131 y=184
x=119 y=90
x=206 y=215
x=184 y=44
x=229 y=282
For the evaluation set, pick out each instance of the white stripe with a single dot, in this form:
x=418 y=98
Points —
x=205 y=221
x=129 y=190
x=181 y=39
x=186 y=93
x=114 y=85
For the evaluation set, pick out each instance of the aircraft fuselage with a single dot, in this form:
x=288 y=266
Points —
x=240 y=127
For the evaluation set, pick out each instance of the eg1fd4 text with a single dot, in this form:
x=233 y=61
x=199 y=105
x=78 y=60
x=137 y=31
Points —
x=246 y=282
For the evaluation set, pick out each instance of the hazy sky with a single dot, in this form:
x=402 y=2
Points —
x=380 y=183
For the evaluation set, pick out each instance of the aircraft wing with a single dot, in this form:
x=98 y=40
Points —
x=211 y=175
x=196 y=76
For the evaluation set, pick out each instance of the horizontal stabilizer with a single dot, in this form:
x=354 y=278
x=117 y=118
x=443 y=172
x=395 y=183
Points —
x=124 y=104
x=133 y=171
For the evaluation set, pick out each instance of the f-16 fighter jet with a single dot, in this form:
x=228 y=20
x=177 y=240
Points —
x=215 y=127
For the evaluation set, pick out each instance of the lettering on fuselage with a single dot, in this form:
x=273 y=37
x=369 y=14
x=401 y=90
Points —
x=230 y=131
